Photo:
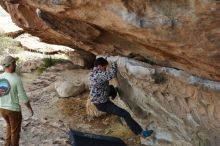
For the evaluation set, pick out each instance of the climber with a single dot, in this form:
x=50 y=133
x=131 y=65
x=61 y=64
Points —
x=100 y=90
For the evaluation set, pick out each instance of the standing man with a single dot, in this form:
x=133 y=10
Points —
x=100 y=92
x=11 y=94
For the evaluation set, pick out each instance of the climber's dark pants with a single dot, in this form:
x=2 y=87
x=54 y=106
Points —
x=111 y=108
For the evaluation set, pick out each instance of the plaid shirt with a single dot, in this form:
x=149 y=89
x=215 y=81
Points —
x=99 y=83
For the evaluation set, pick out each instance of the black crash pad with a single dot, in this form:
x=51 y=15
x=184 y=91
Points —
x=88 y=139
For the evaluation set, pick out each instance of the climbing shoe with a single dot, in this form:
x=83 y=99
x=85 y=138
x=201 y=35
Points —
x=146 y=133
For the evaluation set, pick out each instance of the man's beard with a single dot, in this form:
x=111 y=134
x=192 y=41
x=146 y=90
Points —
x=14 y=69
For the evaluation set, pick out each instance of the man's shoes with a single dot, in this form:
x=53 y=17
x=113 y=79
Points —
x=146 y=133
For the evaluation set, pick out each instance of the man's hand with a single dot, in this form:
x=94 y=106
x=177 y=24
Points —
x=29 y=108
x=113 y=59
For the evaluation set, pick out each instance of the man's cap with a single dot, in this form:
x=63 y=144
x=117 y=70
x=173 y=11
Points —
x=8 y=60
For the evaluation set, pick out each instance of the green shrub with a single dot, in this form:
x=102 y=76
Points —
x=47 y=62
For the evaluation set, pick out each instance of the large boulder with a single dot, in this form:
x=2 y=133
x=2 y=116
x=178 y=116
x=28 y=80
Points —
x=182 y=109
x=174 y=90
x=180 y=34
x=69 y=88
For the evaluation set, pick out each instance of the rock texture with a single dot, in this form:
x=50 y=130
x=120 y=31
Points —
x=181 y=108
x=68 y=88
x=175 y=88
x=183 y=34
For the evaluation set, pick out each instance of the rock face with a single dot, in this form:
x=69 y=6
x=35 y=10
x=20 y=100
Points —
x=181 y=108
x=182 y=34
x=68 y=89
x=175 y=88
